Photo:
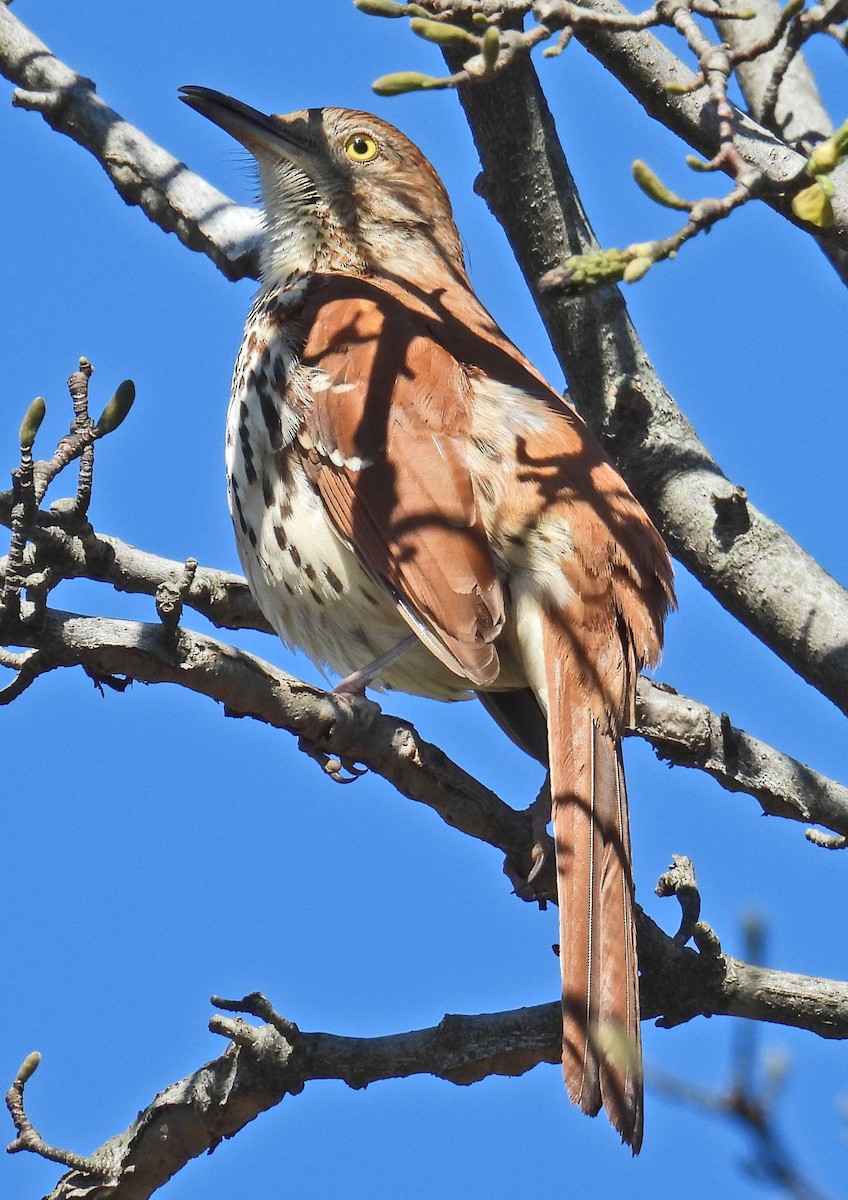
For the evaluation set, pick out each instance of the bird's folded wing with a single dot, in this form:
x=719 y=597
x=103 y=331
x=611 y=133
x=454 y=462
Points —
x=386 y=422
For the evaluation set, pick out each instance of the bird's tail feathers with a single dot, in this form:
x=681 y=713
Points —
x=602 y=1055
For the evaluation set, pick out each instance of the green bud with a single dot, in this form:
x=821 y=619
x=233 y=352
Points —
x=792 y=9
x=697 y=164
x=381 y=8
x=27 y=1067
x=406 y=81
x=828 y=155
x=32 y=422
x=653 y=187
x=117 y=409
x=389 y=8
x=443 y=34
x=677 y=89
x=812 y=204
x=637 y=267
x=824 y=157
x=594 y=268
x=491 y=45
x=480 y=20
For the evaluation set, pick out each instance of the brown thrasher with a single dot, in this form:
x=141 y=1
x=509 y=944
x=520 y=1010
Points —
x=412 y=500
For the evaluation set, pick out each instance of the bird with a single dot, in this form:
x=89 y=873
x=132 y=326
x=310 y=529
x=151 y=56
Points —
x=417 y=509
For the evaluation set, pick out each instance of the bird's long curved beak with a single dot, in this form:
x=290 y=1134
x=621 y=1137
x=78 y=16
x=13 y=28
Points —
x=255 y=130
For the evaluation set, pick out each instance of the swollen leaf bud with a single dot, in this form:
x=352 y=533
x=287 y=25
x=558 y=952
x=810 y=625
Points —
x=381 y=8
x=491 y=46
x=443 y=34
x=582 y=271
x=829 y=154
x=406 y=81
x=825 y=157
x=32 y=422
x=389 y=8
x=27 y=1067
x=117 y=409
x=697 y=164
x=812 y=204
x=653 y=187
x=792 y=9
x=637 y=267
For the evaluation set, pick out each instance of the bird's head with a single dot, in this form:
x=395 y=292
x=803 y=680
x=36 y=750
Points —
x=342 y=191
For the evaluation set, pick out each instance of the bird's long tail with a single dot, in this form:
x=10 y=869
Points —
x=601 y=1049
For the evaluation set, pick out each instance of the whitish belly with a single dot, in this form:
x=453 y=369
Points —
x=311 y=587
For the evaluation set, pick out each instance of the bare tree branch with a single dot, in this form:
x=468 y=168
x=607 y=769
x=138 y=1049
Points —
x=351 y=729
x=346 y=730
x=799 y=114
x=220 y=596
x=645 y=67
x=171 y=195
x=262 y=1066
x=266 y=1063
x=688 y=734
x=750 y=1098
x=28 y=1137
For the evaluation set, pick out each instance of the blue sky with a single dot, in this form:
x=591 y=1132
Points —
x=156 y=852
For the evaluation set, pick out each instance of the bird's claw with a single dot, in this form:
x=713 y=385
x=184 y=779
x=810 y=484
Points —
x=538 y=885
x=339 y=769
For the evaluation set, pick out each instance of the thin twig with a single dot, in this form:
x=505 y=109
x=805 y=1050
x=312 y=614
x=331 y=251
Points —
x=747 y=1101
x=30 y=1139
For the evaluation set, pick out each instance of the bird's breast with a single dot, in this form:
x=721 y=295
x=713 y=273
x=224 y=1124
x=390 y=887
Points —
x=308 y=582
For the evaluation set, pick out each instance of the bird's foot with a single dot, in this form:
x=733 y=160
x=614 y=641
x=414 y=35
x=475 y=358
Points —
x=347 y=720
x=535 y=881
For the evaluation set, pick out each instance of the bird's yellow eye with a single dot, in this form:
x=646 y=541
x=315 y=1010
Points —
x=361 y=147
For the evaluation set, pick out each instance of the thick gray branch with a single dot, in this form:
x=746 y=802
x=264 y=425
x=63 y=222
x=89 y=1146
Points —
x=786 y=999
x=220 y=596
x=350 y=728
x=749 y=564
x=688 y=734
x=268 y=1062
x=171 y=195
x=681 y=730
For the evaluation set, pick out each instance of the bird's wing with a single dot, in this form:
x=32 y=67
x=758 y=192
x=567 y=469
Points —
x=384 y=435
